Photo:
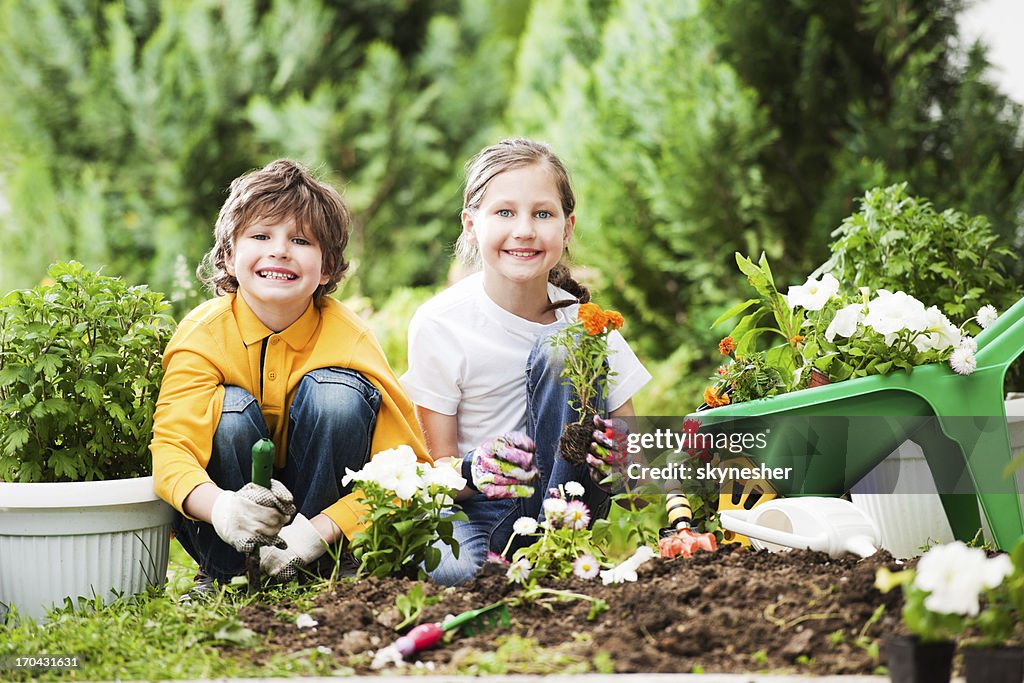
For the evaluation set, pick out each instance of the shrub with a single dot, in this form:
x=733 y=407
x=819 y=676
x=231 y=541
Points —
x=79 y=377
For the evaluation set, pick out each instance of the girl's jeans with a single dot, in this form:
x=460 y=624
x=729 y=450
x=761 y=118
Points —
x=330 y=427
x=490 y=521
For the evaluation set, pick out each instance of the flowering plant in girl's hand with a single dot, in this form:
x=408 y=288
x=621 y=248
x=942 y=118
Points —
x=586 y=370
x=407 y=500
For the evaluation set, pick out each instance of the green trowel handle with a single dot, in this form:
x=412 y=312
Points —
x=262 y=462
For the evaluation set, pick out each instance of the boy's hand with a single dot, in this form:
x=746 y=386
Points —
x=304 y=546
x=501 y=467
x=252 y=516
x=607 y=456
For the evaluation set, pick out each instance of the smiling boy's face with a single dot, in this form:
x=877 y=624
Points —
x=278 y=269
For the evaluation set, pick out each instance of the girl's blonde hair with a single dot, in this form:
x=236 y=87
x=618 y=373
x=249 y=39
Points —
x=507 y=155
x=280 y=190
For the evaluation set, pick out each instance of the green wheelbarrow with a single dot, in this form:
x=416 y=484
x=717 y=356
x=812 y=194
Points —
x=831 y=436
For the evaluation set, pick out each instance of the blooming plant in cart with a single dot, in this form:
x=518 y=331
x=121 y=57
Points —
x=586 y=371
x=408 y=503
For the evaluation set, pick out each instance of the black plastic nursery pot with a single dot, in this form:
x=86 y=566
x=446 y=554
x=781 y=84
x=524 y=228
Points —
x=913 y=661
x=993 y=664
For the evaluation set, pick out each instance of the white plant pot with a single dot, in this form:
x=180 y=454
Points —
x=97 y=539
x=909 y=522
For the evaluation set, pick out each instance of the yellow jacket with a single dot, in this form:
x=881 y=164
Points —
x=219 y=343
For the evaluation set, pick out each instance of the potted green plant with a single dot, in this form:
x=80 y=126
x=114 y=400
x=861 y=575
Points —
x=940 y=596
x=79 y=376
x=994 y=654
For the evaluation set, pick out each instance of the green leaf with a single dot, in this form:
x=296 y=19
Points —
x=734 y=311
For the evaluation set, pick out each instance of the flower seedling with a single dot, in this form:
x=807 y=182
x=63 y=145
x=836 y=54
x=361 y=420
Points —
x=408 y=511
x=945 y=588
x=586 y=371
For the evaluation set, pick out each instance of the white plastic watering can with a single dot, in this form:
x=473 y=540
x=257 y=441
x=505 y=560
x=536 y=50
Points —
x=830 y=525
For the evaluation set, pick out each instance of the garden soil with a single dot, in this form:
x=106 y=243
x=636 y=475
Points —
x=733 y=610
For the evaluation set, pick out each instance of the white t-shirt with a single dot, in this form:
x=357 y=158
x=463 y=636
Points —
x=467 y=357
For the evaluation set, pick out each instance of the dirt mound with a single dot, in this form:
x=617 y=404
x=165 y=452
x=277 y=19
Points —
x=729 y=611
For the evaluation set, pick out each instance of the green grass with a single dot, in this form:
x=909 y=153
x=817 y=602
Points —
x=153 y=636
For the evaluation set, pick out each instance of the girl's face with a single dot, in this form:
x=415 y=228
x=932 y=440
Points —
x=278 y=269
x=519 y=227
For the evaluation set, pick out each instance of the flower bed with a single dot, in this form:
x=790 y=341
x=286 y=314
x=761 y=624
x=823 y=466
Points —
x=730 y=611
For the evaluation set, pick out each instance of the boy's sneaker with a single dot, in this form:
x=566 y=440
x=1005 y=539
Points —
x=204 y=588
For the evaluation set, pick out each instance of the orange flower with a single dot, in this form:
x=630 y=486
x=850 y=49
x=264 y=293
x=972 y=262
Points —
x=615 y=320
x=727 y=346
x=593 y=318
x=715 y=399
x=796 y=339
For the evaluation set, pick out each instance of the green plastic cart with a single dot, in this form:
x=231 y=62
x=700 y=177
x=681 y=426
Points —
x=959 y=422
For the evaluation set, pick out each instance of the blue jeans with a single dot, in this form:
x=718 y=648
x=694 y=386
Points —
x=330 y=427
x=490 y=521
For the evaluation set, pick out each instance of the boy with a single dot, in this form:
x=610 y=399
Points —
x=272 y=355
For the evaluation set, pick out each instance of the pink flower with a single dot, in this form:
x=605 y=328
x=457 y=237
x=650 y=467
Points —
x=496 y=558
x=577 y=515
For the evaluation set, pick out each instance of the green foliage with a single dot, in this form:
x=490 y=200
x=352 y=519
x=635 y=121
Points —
x=411 y=605
x=132 y=119
x=901 y=243
x=632 y=521
x=79 y=376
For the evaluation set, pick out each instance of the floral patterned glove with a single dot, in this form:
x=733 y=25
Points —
x=502 y=467
x=607 y=457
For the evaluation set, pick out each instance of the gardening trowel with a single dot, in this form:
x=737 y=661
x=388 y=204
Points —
x=262 y=468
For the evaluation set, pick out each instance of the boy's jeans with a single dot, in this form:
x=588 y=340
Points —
x=490 y=521
x=330 y=427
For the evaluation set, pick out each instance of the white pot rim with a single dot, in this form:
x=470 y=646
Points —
x=77 y=493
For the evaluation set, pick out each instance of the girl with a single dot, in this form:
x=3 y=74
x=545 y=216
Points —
x=485 y=382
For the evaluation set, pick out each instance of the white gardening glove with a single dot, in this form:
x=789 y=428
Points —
x=304 y=546
x=252 y=516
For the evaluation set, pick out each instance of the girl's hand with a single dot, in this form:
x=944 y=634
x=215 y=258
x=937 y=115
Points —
x=503 y=466
x=607 y=457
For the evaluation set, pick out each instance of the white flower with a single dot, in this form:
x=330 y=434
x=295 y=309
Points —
x=813 y=294
x=305 y=621
x=574 y=488
x=585 y=567
x=986 y=316
x=396 y=469
x=519 y=571
x=889 y=313
x=954 y=575
x=445 y=476
x=940 y=333
x=524 y=526
x=969 y=343
x=554 y=511
x=387 y=656
x=845 y=321
x=963 y=361
x=577 y=515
